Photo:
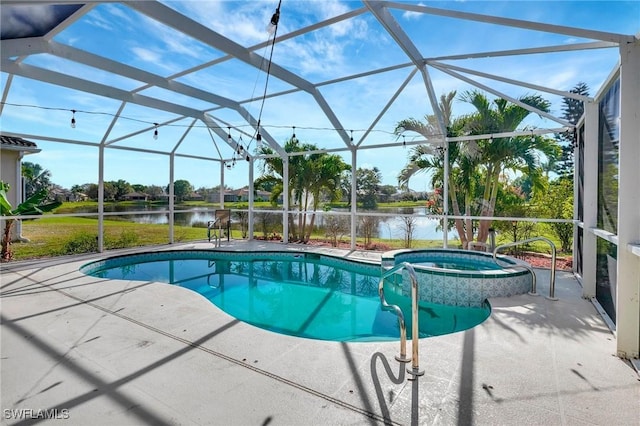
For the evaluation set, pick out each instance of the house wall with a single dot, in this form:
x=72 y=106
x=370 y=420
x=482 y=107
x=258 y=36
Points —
x=9 y=173
x=9 y=163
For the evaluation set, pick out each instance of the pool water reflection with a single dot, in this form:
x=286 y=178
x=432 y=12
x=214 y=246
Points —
x=299 y=294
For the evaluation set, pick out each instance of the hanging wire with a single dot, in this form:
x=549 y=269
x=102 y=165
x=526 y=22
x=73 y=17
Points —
x=275 y=19
x=204 y=126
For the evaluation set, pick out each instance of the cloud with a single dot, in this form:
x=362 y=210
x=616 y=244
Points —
x=114 y=14
x=120 y=13
x=330 y=9
x=18 y=21
x=409 y=15
x=173 y=41
x=327 y=52
x=243 y=23
x=146 y=55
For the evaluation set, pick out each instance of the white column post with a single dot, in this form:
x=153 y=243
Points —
x=171 y=195
x=251 y=190
x=445 y=197
x=285 y=199
x=221 y=195
x=101 y=198
x=20 y=196
x=590 y=213
x=628 y=291
x=576 y=215
x=354 y=187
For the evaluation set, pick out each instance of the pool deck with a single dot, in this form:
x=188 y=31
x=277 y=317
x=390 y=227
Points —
x=114 y=352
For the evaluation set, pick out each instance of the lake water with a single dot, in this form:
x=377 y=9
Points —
x=387 y=227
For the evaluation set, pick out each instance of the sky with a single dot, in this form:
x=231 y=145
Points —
x=350 y=47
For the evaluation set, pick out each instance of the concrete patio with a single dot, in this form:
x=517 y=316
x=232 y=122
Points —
x=112 y=352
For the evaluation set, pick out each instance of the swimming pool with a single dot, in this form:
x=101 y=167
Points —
x=300 y=294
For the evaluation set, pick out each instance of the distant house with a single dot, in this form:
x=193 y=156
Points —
x=163 y=197
x=64 y=195
x=409 y=195
x=243 y=194
x=194 y=196
x=12 y=150
x=136 y=196
x=231 y=197
x=264 y=196
x=240 y=195
x=80 y=196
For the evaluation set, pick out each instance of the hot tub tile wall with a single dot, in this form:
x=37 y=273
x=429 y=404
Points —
x=474 y=295
x=458 y=288
x=463 y=293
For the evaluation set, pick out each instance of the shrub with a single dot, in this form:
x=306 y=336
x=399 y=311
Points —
x=85 y=242
x=126 y=239
x=82 y=242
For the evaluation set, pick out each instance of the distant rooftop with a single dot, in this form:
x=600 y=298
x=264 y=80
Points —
x=16 y=143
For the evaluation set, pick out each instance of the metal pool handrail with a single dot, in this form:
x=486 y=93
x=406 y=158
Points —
x=414 y=316
x=552 y=282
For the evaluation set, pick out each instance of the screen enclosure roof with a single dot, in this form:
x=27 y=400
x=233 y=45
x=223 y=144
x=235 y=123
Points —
x=208 y=76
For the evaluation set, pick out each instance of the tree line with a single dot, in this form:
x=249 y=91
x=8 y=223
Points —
x=121 y=190
x=508 y=176
x=518 y=176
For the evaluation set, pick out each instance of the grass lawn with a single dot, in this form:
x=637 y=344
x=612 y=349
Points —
x=55 y=236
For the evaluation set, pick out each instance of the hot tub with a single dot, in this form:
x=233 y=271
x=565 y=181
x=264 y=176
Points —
x=457 y=277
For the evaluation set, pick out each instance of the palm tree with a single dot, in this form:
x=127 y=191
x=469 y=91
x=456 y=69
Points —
x=510 y=153
x=325 y=180
x=36 y=178
x=426 y=159
x=310 y=177
x=476 y=166
x=273 y=173
x=32 y=206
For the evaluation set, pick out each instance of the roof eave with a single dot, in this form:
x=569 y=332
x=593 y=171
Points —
x=25 y=149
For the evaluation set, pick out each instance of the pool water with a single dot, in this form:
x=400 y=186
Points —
x=462 y=265
x=310 y=296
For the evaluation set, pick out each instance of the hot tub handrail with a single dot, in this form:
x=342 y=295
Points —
x=552 y=281
x=414 y=316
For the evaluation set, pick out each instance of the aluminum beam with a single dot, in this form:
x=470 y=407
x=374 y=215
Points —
x=517 y=23
x=529 y=51
x=170 y=17
x=397 y=33
x=388 y=105
x=562 y=93
x=506 y=97
x=56 y=78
